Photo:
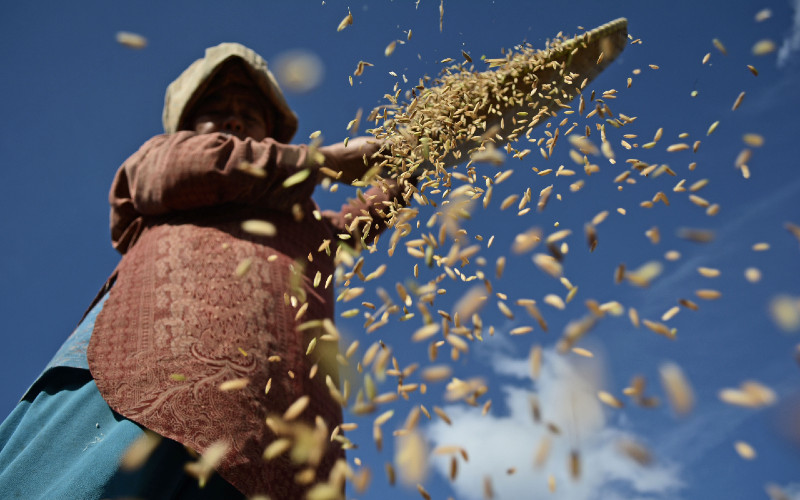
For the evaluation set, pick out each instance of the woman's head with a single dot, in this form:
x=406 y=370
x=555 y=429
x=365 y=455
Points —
x=230 y=80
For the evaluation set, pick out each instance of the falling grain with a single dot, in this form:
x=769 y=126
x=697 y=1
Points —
x=389 y=50
x=709 y=272
x=295 y=409
x=259 y=227
x=753 y=140
x=580 y=351
x=347 y=21
x=139 y=451
x=737 y=102
x=764 y=47
x=752 y=274
x=676 y=385
x=744 y=450
x=609 y=399
x=720 y=47
x=555 y=301
x=707 y=294
x=131 y=40
x=234 y=384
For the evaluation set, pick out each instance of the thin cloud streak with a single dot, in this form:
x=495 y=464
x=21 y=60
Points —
x=792 y=42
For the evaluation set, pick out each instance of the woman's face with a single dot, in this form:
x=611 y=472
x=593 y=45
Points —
x=232 y=105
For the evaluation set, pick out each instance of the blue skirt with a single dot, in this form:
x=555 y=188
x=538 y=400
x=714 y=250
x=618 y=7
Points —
x=65 y=442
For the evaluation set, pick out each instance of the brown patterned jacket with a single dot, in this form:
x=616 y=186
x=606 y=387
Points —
x=179 y=321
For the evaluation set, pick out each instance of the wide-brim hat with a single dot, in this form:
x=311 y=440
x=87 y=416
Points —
x=183 y=93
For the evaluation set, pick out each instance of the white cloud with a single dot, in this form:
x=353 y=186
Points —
x=566 y=393
x=792 y=42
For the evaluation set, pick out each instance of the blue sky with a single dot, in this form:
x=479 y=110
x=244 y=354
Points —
x=77 y=104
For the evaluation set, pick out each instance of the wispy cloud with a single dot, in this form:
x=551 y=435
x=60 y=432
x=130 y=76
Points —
x=509 y=438
x=792 y=42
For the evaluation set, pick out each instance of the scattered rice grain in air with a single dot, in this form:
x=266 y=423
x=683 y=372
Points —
x=744 y=450
x=131 y=40
x=437 y=373
x=347 y=21
x=633 y=315
x=555 y=301
x=760 y=247
x=520 y=330
x=653 y=235
x=247 y=167
x=635 y=451
x=794 y=229
x=295 y=409
x=659 y=328
x=672 y=255
x=575 y=464
x=204 y=467
x=677 y=147
x=738 y=101
x=298 y=70
x=580 y=351
x=536 y=361
x=259 y=227
x=752 y=274
x=609 y=399
x=139 y=451
x=708 y=272
x=785 y=312
x=670 y=313
x=527 y=241
x=753 y=140
x=243 y=267
x=750 y=394
x=676 y=385
x=389 y=50
x=696 y=235
x=548 y=264
x=411 y=458
x=708 y=294
x=700 y=202
x=505 y=310
x=763 y=15
x=234 y=384
x=763 y=47
x=720 y=47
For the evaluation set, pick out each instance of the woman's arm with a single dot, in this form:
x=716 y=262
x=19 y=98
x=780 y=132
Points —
x=185 y=171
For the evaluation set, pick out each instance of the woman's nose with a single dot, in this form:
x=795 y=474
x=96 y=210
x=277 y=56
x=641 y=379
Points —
x=233 y=124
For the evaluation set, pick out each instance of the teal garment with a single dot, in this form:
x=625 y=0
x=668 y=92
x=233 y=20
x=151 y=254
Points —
x=73 y=351
x=65 y=442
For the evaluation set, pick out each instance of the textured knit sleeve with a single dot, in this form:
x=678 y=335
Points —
x=370 y=210
x=185 y=171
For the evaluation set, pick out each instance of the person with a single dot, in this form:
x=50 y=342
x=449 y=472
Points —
x=198 y=336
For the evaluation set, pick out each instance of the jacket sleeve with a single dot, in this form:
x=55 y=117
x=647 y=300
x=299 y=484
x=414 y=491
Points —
x=365 y=216
x=185 y=171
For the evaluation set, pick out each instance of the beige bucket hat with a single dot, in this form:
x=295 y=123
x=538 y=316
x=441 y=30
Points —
x=187 y=88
